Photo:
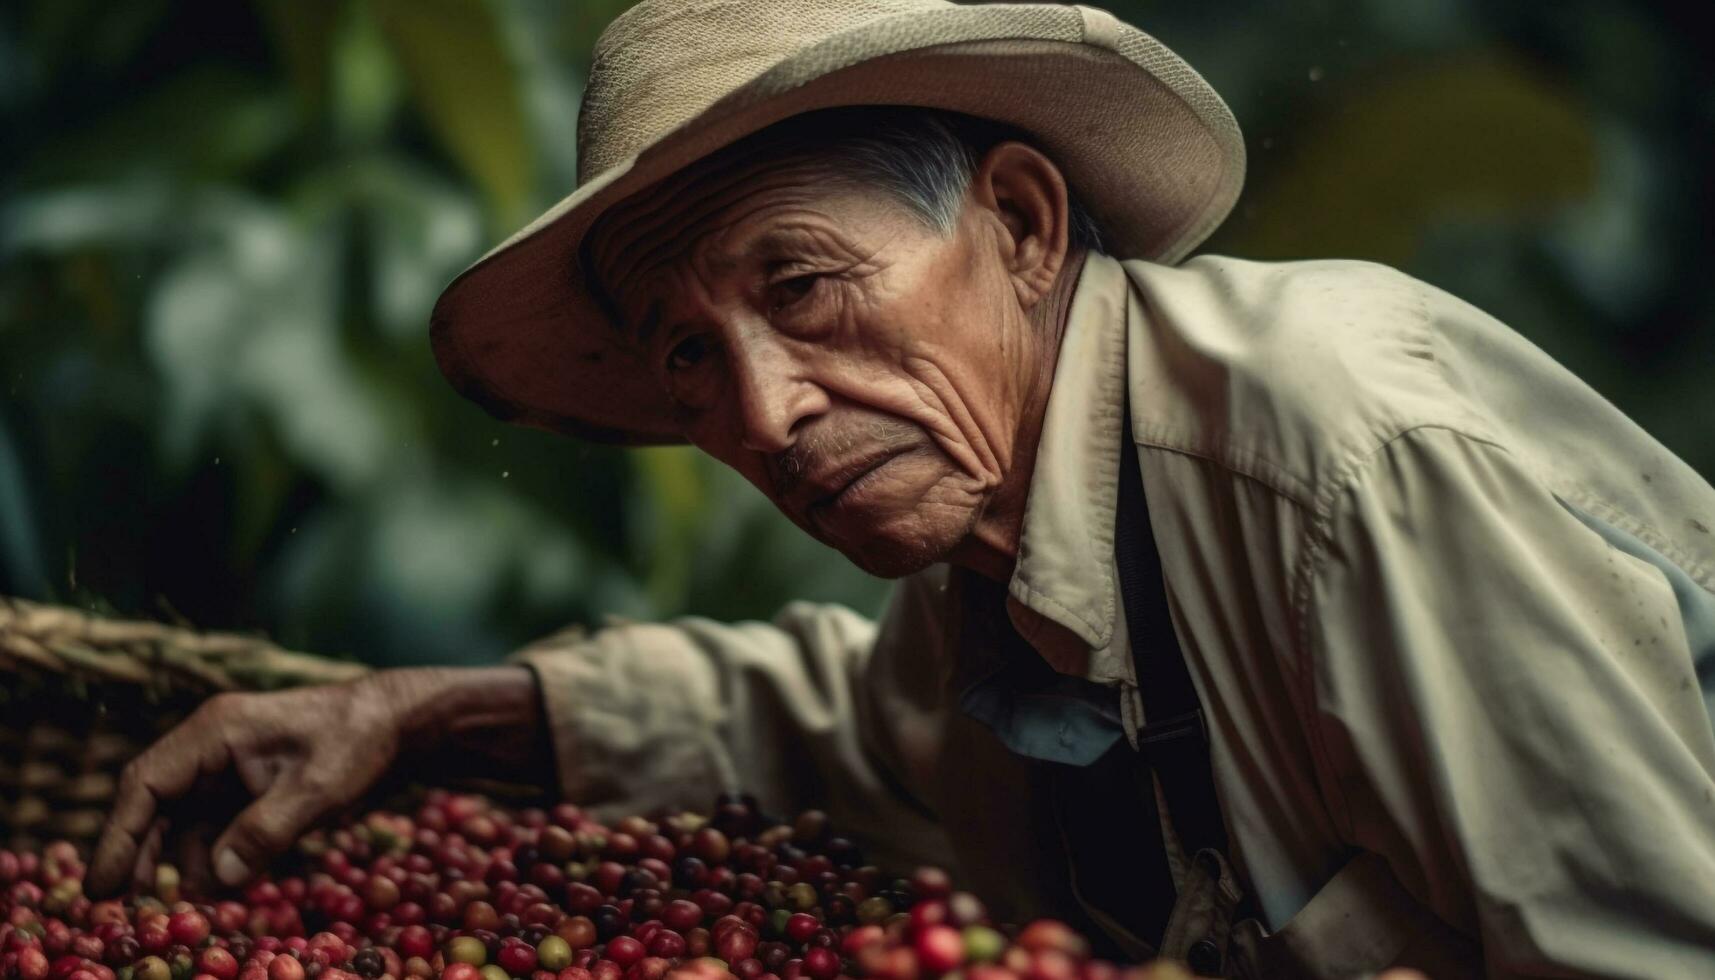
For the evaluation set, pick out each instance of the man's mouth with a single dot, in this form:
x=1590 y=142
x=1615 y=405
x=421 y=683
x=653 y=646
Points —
x=829 y=488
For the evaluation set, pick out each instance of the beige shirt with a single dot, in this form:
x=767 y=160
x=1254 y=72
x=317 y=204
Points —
x=1438 y=597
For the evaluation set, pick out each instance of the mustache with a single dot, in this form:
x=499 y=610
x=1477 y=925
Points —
x=818 y=451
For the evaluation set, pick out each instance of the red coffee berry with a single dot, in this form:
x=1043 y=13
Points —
x=681 y=915
x=188 y=928
x=415 y=941
x=33 y=964
x=88 y=946
x=930 y=882
x=218 y=963
x=667 y=943
x=821 y=964
x=517 y=958
x=624 y=951
x=711 y=845
x=1052 y=964
x=861 y=937
x=283 y=968
x=578 y=931
x=736 y=944
x=1047 y=934
x=481 y=915
x=800 y=926
x=940 y=948
x=381 y=892
x=929 y=913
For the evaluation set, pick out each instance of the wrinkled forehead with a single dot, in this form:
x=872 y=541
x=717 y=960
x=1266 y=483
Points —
x=696 y=215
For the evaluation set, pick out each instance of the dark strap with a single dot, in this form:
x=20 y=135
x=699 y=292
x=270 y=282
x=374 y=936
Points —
x=1174 y=741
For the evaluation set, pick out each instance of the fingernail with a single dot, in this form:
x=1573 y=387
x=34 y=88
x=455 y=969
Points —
x=230 y=868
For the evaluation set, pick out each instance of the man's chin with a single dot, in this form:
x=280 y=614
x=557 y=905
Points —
x=890 y=553
x=883 y=563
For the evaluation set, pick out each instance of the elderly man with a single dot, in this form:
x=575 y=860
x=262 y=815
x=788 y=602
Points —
x=1286 y=619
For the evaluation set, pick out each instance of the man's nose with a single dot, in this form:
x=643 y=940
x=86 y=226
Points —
x=774 y=396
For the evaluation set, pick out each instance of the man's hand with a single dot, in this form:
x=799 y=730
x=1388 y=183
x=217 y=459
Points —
x=297 y=756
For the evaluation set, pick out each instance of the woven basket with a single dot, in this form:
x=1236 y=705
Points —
x=80 y=696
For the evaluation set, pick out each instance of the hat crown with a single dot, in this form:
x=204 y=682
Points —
x=663 y=62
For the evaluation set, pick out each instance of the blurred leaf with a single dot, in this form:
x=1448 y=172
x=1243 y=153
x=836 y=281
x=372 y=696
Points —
x=421 y=232
x=92 y=34
x=249 y=317
x=22 y=570
x=670 y=478
x=303 y=31
x=365 y=78
x=61 y=220
x=1476 y=136
x=206 y=122
x=465 y=86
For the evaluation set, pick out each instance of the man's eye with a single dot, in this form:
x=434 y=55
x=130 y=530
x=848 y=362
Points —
x=688 y=353
x=788 y=291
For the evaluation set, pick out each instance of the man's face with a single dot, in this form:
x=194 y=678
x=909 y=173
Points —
x=861 y=369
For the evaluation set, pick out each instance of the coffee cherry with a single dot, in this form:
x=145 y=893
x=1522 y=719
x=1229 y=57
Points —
x=492 y=972
x=1052 y=964
x=609 y=921
x=802 y=897
x=381 y=893
x=467 y=949
x=711 y=845
x=460 y=971
x=554 y=953
x=800 y=926
x=414 y=941
x=218 y=963
x=821 y=964
x=624 y=951
x=965 y=909
x=188 y=928
x=368 y=963
x=282 y=968
x=1048 y=934
x=736 y=944
x=578 y=931
x=982 y=944
x=667 y=944
x=517 y=958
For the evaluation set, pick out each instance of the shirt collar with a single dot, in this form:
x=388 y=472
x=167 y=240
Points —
x=1063 y=596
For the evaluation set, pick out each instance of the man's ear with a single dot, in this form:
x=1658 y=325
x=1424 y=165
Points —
x=1026 y=194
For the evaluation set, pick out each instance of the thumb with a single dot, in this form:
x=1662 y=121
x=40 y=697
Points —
x=265 y=828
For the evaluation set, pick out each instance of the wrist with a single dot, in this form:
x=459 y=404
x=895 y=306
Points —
x=442 y=708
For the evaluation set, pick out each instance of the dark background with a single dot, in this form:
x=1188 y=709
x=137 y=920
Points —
x=222 y=225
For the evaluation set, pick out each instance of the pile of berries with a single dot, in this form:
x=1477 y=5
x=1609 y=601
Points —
x=464 y=890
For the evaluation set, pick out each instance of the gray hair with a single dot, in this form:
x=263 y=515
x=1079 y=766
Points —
x=923 y=157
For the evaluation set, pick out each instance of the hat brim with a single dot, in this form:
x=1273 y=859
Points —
x=1153 y=151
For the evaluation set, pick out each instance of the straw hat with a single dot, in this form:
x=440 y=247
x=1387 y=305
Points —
x=1152 y=150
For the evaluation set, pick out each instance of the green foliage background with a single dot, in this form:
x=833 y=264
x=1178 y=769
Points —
x=222 y=226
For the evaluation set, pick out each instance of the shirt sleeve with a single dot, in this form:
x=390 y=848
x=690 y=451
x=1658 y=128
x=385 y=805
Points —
x=817 y=708
x=1508 y=713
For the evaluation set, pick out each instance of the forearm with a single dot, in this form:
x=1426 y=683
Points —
x=664 y=715
x=472 y=721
